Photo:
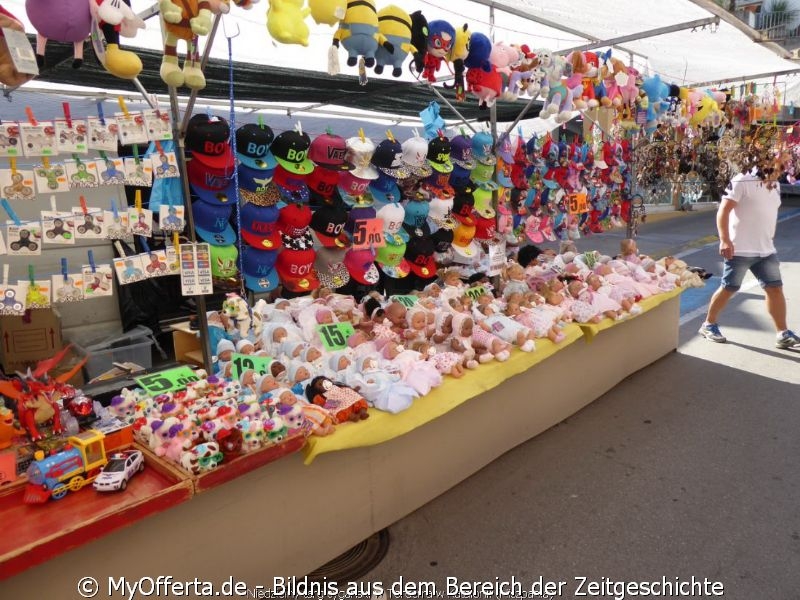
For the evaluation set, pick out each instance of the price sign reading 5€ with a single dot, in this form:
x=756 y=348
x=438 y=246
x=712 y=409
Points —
x=334 y=335
x=576 y=203
x=368 y=233
x=167 y=381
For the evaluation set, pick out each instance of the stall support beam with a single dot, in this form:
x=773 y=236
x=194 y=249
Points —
x=450 y=105
x=643 y=34
x=203 y=62
x=748 y=78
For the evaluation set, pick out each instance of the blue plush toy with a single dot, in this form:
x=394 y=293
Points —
x=480 y=47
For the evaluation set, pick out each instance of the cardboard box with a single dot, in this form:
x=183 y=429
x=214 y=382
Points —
x=28 y=339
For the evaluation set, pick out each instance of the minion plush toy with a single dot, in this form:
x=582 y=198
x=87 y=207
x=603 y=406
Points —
x=394 y=24
x=358 y=33
x=329 y=12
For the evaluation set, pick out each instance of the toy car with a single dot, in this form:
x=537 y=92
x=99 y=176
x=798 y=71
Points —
x=119 y=470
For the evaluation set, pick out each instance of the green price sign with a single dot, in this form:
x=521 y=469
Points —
x=170 y=380
x=245 y=362
x=475 y=292
x=334 y=335
x=407 y=301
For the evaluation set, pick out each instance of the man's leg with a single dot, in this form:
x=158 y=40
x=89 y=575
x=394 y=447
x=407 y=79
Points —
x=776 y=306
x=718 y=302
x=733 y=271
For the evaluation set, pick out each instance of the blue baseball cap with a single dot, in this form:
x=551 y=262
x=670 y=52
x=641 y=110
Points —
x=252 y=146
x=258 y=269
x=384 y=189
x=483 y=148
x=460 y=177
x=212 y=223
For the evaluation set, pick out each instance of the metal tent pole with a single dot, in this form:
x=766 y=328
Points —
x=453 y=108
x=203 y=62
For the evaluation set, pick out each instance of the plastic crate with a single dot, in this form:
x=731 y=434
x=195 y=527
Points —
x=133 y=346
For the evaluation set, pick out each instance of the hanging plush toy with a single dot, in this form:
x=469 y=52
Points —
x=359 y=35
x=8 y=72
x=458 y=53
x=394 y=24
x=329 y=12
x=62 y=21
x=480 y=49
x=110 y=20
x=186 y=21
x=441 y=36
x=286 y=21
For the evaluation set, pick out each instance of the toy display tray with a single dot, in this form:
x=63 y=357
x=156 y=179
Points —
x=35 y=533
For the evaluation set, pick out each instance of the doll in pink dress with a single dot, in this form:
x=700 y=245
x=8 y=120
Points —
x=602 y=305
x=454 y=351
x=343 y=402
x=543 y=323
x=414 y=369
x=505 y=327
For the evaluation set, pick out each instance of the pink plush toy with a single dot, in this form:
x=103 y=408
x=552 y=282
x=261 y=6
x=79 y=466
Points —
x=62 y=21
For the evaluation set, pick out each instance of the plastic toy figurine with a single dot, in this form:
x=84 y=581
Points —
x=119 y=470
x=7 y=429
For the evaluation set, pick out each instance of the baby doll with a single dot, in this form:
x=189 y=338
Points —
x=618 y=287
x=506 y=328
x=543 y=323
x=419 y=333
x=343 y=402
x=629 y=251
x=452 y=286
x=225 y=349
x=602 y=302
x=298 y=375
x=665 y=280
x=514 y=280
x=245 y=346
x=686 y=277
x=461 y=340
x=319 y=419
x=414 y=370
x=484 y=338
x=383 y=390
x=582 y=310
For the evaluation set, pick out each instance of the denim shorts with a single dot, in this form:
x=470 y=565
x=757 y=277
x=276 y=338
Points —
x=765 y=268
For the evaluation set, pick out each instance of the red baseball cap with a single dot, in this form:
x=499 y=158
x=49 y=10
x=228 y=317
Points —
x=208 y=138
x=296 y=270
x=294 y=219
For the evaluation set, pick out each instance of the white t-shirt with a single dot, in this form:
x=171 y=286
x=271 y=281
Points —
x=752 y=221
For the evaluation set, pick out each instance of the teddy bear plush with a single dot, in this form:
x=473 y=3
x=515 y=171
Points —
x=8 y=72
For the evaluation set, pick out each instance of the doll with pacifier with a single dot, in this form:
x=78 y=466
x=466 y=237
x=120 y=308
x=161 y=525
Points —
x=588 y=292
x=225 y=350
x=581 y=310
x=419 y=332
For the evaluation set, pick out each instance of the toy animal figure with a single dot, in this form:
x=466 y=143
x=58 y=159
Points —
x=63 y=21
x=285 y=21
x=329 y=12
x=186 y=21
x=358 y=33
x=395 y=25
x=236 y=308
x=8 y=72
x=7 y=430
x=112 y=19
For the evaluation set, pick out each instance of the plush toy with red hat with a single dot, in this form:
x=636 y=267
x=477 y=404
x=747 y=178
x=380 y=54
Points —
x=8 y=72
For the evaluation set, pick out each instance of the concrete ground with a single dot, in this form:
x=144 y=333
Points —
x=688 y=468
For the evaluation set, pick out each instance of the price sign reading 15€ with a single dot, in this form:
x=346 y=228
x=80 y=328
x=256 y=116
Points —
x=246 y=362
x=368 y=233
x=167 y=381
x=334 y=335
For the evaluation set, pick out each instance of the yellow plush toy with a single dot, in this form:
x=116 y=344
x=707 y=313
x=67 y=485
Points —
x=112 y=19
x=358 y=33
x=286 y=21
x=395 y=25
x=329 y=12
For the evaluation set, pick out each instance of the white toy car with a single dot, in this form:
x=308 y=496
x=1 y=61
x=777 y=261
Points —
x=118 y=471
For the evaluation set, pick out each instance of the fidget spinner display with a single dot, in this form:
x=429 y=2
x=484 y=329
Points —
x=24 y=241
x=58 y=229
x=18 y=190
x=89 y=225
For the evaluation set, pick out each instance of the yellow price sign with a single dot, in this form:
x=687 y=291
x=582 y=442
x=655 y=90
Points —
x=577 y=203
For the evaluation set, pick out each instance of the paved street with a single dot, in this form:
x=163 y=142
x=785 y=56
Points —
x=687 y=468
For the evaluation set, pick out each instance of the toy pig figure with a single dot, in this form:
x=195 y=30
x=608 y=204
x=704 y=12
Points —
x=252 y=435
x=285 y=21
x=63 y=21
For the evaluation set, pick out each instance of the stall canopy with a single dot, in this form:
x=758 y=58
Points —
x=268 y=71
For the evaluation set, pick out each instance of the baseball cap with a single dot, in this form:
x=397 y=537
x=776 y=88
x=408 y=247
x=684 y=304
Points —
x=440 y=213
x=485 y=228
x=505 y=149
x=359 y=152
x=460 y=177
x=207 y=138
x=258 y=268
x=483 y=148
x=415 y=151
x=256 y=186
x=391 y=260
x=293 y=187
x=438 y=184
x=388 y=158
x=290 y=149
x=384 y=189
x=211 y=222
x=442 y=239
x=463 y=206
x=464 y=243
x=327 y=222
x=323 y=182
x=329 y=151
x=361 y=266
x=252 y=146
x=331 y=270
x=483 y=176
x=260 y=227
x=296 y=269
x=392 y=215
x=419 y=253
x=483 y=203
x=351 y=186
x=439 y=154
x=416 y=213
x=214 y=186
x=358 y=213
x=461 y=152
x=223 y=261
x=293 y=219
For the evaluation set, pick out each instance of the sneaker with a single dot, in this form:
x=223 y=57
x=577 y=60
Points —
x=711 y=331
x=788 y=340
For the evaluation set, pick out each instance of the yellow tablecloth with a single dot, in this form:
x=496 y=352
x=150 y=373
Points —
x=382 y=426
x=592 y=329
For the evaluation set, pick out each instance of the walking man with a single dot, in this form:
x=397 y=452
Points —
x=746 y=221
